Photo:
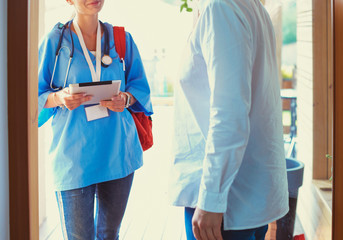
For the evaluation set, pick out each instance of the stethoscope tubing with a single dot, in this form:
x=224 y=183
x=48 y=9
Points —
x=71 y=52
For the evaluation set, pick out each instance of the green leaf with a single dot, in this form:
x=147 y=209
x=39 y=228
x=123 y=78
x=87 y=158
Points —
x=183 y=6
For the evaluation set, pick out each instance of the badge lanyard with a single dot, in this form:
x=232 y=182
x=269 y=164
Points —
x=96 y=111
x=95 y=73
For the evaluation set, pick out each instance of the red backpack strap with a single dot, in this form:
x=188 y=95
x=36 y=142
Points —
x=119 y=41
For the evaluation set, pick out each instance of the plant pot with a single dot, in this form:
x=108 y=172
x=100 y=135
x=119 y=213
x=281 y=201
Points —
x=295 y=175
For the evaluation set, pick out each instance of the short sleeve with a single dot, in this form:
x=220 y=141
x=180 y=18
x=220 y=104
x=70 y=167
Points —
x=45 y=61
x=137 y=83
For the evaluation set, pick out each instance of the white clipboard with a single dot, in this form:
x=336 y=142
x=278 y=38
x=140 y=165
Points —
x=102 y=90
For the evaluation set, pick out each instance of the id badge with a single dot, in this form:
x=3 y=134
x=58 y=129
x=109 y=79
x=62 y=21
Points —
x=95 y=112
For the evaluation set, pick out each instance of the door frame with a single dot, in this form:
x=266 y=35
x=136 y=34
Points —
x=22 y=66
x=322 y=88
x=337 y=213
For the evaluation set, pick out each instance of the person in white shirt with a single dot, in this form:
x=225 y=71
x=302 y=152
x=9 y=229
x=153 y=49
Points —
x=229 y=169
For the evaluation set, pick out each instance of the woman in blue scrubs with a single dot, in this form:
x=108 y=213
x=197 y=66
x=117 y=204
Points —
x=92 y=160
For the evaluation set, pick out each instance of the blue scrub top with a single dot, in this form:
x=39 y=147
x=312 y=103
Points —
x=85 y=153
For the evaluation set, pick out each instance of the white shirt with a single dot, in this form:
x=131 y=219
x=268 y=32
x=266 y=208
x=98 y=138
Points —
x=229 y=153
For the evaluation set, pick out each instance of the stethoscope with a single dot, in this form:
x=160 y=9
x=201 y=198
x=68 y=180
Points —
x=106 y=60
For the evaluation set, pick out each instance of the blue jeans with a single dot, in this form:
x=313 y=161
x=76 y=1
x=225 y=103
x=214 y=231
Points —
x=248 y=234
x=77 y=210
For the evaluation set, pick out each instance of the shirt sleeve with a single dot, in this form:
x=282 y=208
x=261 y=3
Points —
x=45 y=61
x=137 y=83
x=226 y=45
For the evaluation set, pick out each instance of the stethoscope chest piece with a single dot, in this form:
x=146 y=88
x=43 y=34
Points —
x=107 y=60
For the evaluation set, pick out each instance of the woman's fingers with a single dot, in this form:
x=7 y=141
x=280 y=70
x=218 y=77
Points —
x=75 y=100
x=72 y=101
x=113 y=106
x=116 y=104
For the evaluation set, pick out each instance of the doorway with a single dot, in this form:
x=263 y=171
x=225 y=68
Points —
x=23 y=166
x=160 y=44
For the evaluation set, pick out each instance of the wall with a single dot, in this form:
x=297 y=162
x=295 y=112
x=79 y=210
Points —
x=4 y=200
x=305 y=83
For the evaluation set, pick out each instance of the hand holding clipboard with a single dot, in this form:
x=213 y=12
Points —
x=103 y=90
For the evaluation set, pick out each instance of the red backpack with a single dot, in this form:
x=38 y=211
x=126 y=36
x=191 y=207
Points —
x=143 y=122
